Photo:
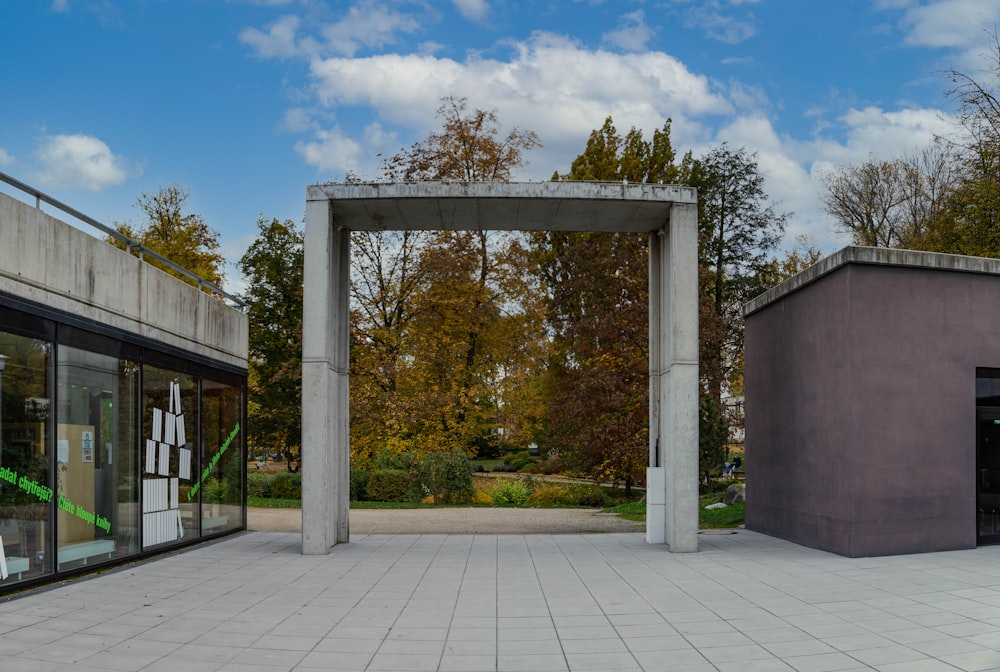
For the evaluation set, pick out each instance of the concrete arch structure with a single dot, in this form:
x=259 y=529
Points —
x=667 y=214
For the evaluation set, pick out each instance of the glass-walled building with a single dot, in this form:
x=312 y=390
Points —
x=110 y=449
x=122 y=404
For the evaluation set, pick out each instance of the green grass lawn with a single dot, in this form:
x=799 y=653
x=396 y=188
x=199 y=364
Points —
x=269 y=503
x=729 y=517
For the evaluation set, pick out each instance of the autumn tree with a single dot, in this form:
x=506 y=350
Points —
x=598 y=290
x=273 y=267
x=798 y=258
x=468 y=148
x=436 y=314
x=183 y=238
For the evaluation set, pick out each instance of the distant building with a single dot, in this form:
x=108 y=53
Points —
x=732 y=407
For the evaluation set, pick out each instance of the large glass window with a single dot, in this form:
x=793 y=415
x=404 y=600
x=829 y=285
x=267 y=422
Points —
x=169 y=459
x=221 y=477
x=96 y=494
x=25 y=489
x=109 y=448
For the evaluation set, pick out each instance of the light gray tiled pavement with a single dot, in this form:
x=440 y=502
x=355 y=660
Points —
x=470 y=603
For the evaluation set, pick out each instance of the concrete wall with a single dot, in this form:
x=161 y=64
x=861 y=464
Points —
x=860 y=403
x=51 y=263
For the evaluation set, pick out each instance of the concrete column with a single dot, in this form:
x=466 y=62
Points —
x=674 y=373
x=655 y=485
x=325 y=366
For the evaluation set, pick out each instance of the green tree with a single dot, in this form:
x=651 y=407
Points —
x=713 y=438
x=273 y=270
x=183 y=238
x=737 y=230
x=597 y=286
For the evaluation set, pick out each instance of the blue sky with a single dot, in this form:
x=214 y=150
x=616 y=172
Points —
x=245 y=102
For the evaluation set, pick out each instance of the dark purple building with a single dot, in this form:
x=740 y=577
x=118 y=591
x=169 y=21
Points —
x=872 y=386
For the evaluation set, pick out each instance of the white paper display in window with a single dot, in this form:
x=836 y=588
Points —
x=161 y=517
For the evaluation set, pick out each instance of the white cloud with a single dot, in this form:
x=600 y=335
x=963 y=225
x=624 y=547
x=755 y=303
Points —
x=297 y=120
x=549 y=85
x=6 y=159
x=632 y=33
x=720 y=23
x=949 y=23
x=78 y=162
x=963 y=27
x=279 y=40
x=794 y=167
x=60 y=6
x=562 y=90
x=367 y=24
x=332 y=150
x=474 y=10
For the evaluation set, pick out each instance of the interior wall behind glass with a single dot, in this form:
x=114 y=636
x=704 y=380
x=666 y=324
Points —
x=169 y=460
x=96 y=494
x=221 y=479
x=26 y=492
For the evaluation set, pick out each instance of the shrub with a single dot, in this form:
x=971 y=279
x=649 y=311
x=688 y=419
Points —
x=481 y=497
x=550 y=465
x=592 y=496
x=514 y=493
x=504 y=468
x=450 y=477
x=519 y=460
x=359 y=485
x=213 y=490
x=551 y=496
x=389 y=485
x=258 y=485
x=286 y=485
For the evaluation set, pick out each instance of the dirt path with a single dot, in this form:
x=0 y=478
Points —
x=451 y=520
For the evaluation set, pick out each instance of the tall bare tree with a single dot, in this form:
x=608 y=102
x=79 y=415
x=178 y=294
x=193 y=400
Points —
x=890 y=203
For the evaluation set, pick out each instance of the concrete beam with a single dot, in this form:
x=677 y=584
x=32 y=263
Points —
x=499 y=206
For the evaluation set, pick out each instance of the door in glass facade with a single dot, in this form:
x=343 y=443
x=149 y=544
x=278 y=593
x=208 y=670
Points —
x=26 y=491
x=97 y=512
x=988 y=457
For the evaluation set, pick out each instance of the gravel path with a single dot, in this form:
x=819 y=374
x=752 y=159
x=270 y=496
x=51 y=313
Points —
x=455 y=520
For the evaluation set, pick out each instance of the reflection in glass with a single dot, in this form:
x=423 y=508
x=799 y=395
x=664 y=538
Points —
x=96 y=503
x=221 y=476
x=25 y=488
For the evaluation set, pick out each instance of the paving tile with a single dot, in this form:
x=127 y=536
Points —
x=404 y=662
x=974 y=661
x=746 y=602
x=825 y=662
x=532 y=663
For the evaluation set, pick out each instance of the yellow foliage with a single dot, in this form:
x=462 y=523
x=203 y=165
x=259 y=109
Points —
x=429 y=499
x=550 y=496
x=482 y=498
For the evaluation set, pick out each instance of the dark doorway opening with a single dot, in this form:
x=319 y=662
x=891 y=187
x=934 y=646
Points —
x=987 y=456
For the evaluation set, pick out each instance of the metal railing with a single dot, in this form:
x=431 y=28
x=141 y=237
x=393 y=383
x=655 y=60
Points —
x=131 y=244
